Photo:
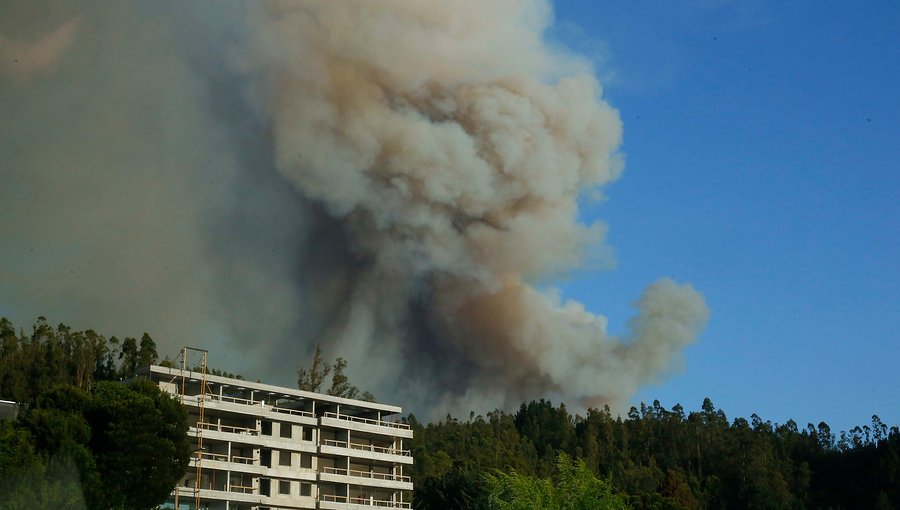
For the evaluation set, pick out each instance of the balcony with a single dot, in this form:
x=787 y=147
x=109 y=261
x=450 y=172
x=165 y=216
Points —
x=220 y=457
x=228 y=429
x=221 y=462
x=366 y=478
x=383 y=427
x=237 y=493
x=215 y=431
x=332 y=501
x=358 y=419
x=248 y=407
x=365 y=451
x=365 y=474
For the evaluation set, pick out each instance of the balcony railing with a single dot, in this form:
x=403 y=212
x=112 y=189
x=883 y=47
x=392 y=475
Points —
x=214 y=456
x=366 y=447
x=221 y=457
x=233 y=400
x=227 y=428
x=365 y=474
x=257 y=403
x=241 y=489
x=369 y=421
x=295 y=412
x=363 y=501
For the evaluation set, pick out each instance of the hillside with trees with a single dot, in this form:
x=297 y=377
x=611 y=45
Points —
x=662 y=458
x=73 y=445
x=84 y=440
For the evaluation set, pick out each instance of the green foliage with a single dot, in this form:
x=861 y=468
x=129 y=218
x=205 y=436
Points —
x=549 y=429
x=512 y=491
x=455 y=489
x=81 y=440
x=222 y=373
x=31 y=364
x=84 y=442
x=128 y=357
x=661 y=458
x=140 y=444
x=120 y=446
x=313 y=378
x=28 y=482
x=574 y=487
x=147 y=352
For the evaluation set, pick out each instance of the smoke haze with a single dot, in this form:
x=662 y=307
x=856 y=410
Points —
x=390 y=179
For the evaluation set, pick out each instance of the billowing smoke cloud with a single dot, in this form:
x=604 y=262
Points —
x=387 y=178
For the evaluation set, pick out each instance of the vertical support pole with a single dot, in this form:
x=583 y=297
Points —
x=181 y=401
x=199 y=429
x=228 y=473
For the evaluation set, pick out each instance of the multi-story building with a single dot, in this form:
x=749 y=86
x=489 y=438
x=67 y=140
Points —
x=264 y=447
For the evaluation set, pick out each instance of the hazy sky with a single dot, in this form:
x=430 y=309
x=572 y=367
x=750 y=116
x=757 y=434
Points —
x=763 y=166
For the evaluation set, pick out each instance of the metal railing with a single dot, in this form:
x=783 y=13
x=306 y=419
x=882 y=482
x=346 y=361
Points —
x=227 y=428
x=364 y=474
x=366 y=447
x=295 y=412
x=243 y=489
x=363 y=501
x=261 y=403
x=370 y=421
x=214 y=456
x=221 y=457
x=233 y=400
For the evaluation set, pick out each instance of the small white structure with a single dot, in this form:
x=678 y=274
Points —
x=9 y=410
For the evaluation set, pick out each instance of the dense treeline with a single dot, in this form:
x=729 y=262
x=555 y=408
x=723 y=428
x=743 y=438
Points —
x=664 y=459
x=31 y=364
x=83 y=439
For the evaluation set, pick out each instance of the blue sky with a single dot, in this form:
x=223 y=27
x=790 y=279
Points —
x=763 y=166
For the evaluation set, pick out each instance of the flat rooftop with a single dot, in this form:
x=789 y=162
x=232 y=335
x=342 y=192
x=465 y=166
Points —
x=272 y=390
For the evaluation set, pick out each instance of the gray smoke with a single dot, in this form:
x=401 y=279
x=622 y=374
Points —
x=387 y=178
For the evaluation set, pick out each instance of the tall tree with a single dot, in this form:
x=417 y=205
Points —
x=128 y=357
x=147 y=352
x=312 y=379
x=140 y=443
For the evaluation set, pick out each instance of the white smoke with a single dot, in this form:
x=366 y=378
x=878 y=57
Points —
x=387 y=178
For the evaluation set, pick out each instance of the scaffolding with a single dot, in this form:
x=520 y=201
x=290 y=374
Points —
x=201 y=401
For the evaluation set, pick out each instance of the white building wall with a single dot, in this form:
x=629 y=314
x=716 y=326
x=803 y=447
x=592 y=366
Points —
x=270 y=447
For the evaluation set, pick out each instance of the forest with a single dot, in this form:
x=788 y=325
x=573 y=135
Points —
x=83 y=439
x=67 y=449
x=659 y=458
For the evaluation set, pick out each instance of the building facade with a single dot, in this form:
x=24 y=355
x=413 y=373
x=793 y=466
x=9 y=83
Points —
x=264 y=447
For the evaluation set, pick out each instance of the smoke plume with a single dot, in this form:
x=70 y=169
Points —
x=391 y=179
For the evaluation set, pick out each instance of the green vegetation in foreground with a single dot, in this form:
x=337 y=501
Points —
x=573 y=487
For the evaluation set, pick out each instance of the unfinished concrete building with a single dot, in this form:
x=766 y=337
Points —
x=260 y=447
